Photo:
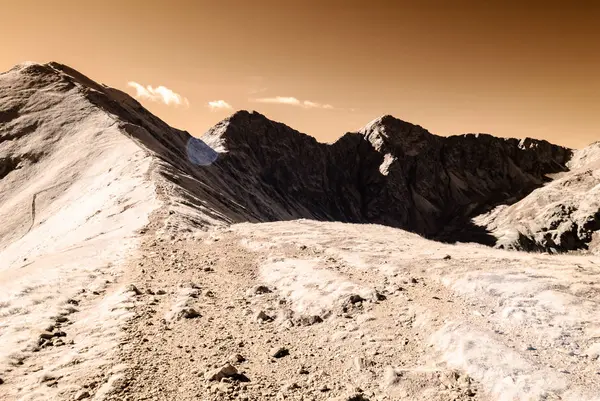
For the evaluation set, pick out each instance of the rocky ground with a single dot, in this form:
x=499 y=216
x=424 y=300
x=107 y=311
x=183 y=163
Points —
x=315 y=311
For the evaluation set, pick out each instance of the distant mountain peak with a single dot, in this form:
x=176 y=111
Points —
x=390 y=132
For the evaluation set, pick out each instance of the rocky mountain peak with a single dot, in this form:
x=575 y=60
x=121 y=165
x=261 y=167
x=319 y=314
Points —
x=252 y=130
x=388 y=133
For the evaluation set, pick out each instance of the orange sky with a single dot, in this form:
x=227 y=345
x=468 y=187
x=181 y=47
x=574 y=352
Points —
x=450 y=66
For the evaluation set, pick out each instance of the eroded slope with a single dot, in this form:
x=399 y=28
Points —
x=73 y=193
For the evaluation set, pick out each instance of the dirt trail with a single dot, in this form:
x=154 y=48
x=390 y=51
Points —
x=355 y=319
x=345 y=354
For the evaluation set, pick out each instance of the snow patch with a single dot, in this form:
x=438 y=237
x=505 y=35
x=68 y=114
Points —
x=312 y=289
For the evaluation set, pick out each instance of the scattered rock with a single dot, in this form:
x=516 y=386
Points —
x=263 y=317
x=308 y=320
x=236 y=358
x=1 y=381
x=391 y=376
x=227 y=370
x=280 y=352
x=189 y=313
x=133 y=288
x=161 y=292
x=289 y=386
x=45 y=335
x=447 y=257
x=261 y=289
x=46 y=377
x=81 y=395
x=380 y=297
x=355 y=298
x=324 y=388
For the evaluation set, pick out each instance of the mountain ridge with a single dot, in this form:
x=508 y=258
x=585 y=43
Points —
x=250 y=168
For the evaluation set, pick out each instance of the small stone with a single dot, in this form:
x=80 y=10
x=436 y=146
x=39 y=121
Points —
x=261 y=289
x=1 y=381
x=280 y=352
x=289 y=386
x=380 y=297
x=224 y=387
x=160 y=292
x=59 y=343
x=308 y=320
x=447 y=257
x=236 y=358
x=355 y=298
x=61 y=319
x=390 y=376
x=133 y=288
x=227 y=370
x=263 y=317
x=46 y=377
x=413 y=280
x=190 y=313
x=83 y=394
x=60 y=334
x=46 y=335
x=324 y=388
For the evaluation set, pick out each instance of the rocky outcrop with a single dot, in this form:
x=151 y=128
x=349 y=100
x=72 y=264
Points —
x=391 y=172
x=561 y=216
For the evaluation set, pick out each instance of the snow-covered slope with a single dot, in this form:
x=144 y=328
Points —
x=562 y=215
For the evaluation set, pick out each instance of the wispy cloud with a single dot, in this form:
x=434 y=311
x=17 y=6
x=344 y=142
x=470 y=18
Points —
x=159 y=94
x=219 y=104
x=257 y=91
x=292 y=101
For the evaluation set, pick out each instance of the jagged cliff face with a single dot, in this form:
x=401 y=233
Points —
x=562 y=215
x=391 y=172
x=249 y=168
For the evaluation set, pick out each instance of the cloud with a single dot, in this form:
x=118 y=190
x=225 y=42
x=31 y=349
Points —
x=292 y=101
x=159 y=94
x=279 y=99
x=219 y=104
